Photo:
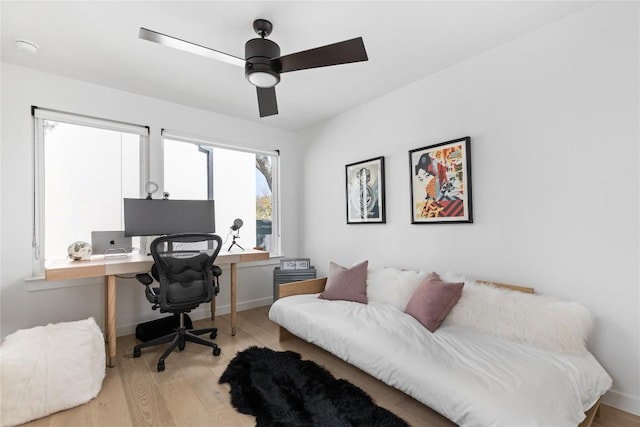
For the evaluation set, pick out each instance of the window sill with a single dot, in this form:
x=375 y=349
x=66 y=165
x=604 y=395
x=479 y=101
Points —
x=271 y=261
x=38 y=283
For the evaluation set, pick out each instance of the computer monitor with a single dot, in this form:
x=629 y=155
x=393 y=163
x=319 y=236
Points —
x=154 y=217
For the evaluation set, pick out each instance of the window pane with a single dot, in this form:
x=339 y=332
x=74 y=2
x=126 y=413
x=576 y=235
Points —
x=233 y=179
x=88 y=171
x=185 y=171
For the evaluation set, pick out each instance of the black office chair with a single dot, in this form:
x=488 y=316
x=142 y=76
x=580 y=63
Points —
x=183 y=266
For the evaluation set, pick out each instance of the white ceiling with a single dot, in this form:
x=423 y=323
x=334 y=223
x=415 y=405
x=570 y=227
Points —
x=98 y=42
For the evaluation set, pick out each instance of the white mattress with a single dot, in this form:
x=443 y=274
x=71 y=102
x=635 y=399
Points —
x=473 y=379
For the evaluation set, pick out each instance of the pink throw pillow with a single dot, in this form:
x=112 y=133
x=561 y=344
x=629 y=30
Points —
x=433 y=300
x=348 y=284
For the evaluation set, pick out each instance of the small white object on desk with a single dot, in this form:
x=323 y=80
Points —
x=80 y=251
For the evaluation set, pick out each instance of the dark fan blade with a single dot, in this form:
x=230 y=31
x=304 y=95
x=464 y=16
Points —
x=267 y=103
x=163 y=39
x=331 y=54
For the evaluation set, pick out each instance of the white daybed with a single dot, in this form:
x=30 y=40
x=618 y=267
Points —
x=471 y=375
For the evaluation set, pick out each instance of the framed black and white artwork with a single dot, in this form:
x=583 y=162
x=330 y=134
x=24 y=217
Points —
x=365 y=192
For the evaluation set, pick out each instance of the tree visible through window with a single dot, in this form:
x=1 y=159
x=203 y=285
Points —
x=264 y=208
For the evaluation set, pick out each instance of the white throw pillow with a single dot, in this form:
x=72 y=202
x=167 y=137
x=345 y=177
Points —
x=539 y=320
x=393 y=286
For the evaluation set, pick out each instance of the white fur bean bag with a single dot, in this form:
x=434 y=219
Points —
x=50 y=368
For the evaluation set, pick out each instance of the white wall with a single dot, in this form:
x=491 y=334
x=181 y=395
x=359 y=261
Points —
x=553 y=118
x=22 y=88
x=554 y=125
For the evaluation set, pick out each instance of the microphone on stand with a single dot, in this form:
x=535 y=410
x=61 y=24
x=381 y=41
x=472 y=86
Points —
x=237 y=223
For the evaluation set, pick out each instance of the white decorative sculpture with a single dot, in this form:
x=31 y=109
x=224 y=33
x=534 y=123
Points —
x=79 y=251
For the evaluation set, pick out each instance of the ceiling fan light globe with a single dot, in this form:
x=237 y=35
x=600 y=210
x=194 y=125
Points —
x=263 y=79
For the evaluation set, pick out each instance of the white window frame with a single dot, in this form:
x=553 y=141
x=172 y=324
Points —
x=276 y=248
x=39 y=117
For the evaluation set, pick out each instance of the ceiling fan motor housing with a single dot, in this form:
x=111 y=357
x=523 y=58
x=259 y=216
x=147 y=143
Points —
x=260 y=69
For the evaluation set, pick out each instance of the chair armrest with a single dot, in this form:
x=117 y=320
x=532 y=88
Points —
x=311 y=286
x=144 y=278
x=217 y=271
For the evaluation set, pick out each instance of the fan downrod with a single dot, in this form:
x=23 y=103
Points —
x=262 y=27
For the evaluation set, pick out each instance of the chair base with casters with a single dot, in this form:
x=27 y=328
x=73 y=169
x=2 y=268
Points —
x=178 y=339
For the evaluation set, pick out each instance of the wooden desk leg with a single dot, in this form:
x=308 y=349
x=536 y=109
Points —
x=110 y=320
x=233 y=297
x=106 y=314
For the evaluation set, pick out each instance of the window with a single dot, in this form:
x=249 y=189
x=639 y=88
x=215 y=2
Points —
x=242 y=182
x=84 y=167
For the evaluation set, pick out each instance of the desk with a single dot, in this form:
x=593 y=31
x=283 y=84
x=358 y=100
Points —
x=109 y=267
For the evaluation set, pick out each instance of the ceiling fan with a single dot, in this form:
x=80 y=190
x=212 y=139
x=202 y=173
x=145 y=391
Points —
x=263 y=63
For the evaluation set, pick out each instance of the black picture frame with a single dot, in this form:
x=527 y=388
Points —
x=365 y=192
x=440 y=183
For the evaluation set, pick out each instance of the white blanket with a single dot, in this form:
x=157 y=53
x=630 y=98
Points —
x=471 y=378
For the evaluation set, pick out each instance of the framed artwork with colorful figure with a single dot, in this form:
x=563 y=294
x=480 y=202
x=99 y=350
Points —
x=441 y=182
x=365 y=192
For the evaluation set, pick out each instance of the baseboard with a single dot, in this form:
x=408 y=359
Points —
x=624 y=402
x=246 y=305
x=202 y=312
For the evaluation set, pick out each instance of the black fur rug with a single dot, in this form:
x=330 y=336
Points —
x=280 y=389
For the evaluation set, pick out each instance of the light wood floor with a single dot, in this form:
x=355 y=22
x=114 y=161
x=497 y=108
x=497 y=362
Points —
x=187 y=393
